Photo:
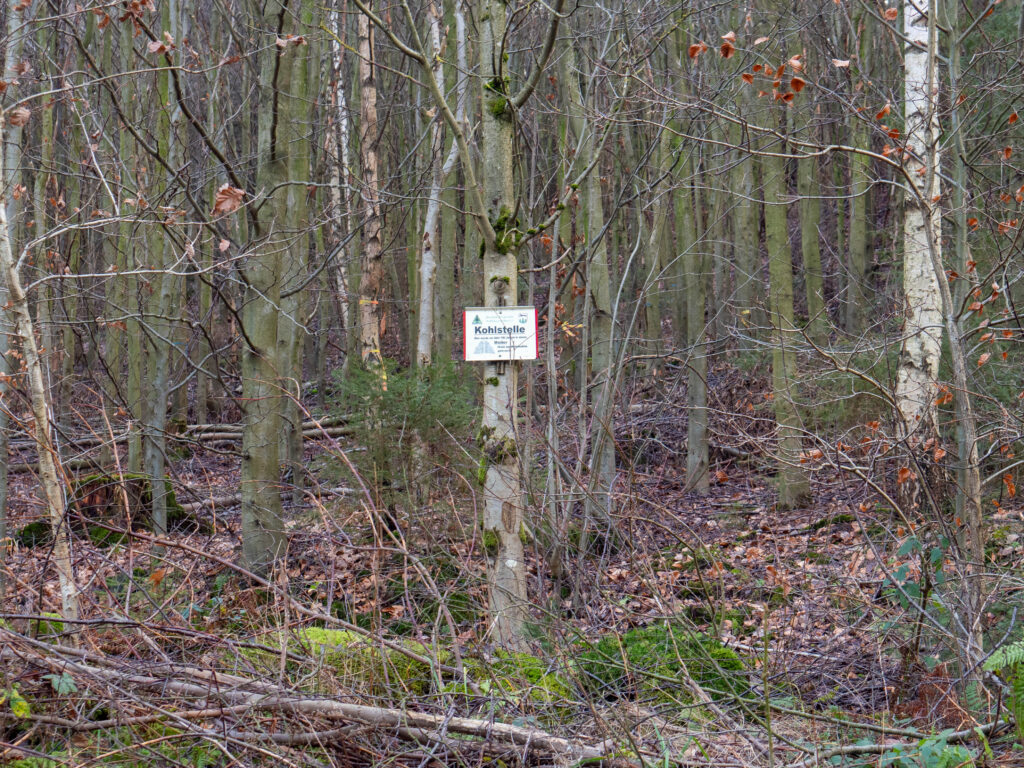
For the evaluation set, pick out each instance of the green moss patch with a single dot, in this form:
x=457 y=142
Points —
x=650 y=661
x=345 y=660
x=529 y=683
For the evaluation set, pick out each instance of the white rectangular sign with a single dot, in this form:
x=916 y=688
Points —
x=500 y=333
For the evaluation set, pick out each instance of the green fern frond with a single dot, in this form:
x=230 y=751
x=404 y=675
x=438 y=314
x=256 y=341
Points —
x=1005 y=657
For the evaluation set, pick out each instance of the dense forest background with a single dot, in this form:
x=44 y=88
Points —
x=753 y=504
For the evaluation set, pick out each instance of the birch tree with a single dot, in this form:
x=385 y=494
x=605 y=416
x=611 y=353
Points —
x=42 y=411
x=917 y=377
x=496 y=210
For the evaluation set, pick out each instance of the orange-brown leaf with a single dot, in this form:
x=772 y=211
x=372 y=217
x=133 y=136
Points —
x=228 y=200
x=797 y=84
x=903 y=475
x=728 y=49
x=891 y=14
x=284 y=42
x=747 y=77
x=1013 y=118
x=884 y=111
x=19 y=116
x=984 y=358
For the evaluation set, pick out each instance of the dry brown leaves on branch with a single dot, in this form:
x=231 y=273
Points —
x=19 y=117
x=228 y=200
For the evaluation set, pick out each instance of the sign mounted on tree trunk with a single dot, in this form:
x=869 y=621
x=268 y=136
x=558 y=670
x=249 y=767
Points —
x=500 y=333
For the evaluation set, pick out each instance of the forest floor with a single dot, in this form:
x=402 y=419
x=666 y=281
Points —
x=803 y=597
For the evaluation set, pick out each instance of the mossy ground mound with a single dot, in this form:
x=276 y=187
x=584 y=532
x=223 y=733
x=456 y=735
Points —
x=341 y=660
x=144 y=746
x=528 y=683
x=651 y=661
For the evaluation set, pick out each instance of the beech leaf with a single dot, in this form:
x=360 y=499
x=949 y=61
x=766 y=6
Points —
x=19 y=117
x=228 y=199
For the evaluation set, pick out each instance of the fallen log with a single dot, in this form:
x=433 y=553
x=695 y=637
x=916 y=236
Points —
x=327 y=421
x=331 y=427
x=234 y=691
x=230 y=435
x=212 y=502
x=33 y=466
x=212 y=438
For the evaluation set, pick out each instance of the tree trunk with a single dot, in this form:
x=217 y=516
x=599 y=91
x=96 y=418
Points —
x=292 y=322
x=696 y=330
x=11 y=166
x=858 y=259
x=745 y=228
x=794 y=488
x=371 y=278
x=597 y=505
x=917 y=377
x=503 y=490
x=809 y=191
x=49 y=476
x=263 y=536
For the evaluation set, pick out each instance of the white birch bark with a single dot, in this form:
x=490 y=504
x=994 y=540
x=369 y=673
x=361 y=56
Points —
x=49 y=477
x=341 y=186
x=440 y=170
x=12 y=160
x=917 y=377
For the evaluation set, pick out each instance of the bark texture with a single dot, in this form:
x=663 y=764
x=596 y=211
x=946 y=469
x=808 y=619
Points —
x=917 y=377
